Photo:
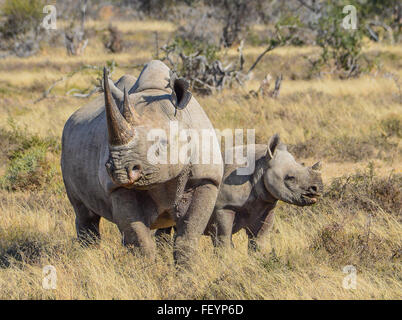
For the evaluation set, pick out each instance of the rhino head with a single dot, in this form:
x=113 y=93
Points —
x=128 y=164
x=287 y=180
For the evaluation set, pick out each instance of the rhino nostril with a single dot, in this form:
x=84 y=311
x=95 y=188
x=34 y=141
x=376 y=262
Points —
x=313 y=189
x=134 y=173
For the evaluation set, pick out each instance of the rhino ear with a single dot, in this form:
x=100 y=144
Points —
x=316 y=166
x=180 y=94
x=273 y=143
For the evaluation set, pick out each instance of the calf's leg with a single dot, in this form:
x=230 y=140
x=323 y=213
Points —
x=258 y=231
x=220 y=227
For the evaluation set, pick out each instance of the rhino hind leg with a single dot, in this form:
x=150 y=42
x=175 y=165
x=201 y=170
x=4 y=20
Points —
x=86 y=224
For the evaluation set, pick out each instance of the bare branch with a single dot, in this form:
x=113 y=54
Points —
x=270 y=48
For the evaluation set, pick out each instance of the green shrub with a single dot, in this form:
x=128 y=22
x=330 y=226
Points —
x=340 y=48
x=32 y=161
x=21 y=16
x=188 y=47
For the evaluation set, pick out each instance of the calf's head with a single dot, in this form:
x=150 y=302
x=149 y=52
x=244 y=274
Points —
x=128 y=164
x=288 y=180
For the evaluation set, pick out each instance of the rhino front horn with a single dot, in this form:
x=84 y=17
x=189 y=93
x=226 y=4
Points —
x=119 y=130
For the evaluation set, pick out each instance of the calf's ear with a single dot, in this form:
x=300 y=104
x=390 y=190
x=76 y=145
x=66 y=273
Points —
x=273 y=143
x=180 y=94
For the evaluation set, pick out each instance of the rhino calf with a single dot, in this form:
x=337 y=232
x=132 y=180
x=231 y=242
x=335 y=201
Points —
x=248 y=201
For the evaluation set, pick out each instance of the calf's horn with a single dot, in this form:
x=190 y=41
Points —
x=119 y=130
x=316 y=166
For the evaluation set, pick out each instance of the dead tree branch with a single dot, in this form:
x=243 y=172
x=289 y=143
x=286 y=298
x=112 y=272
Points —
x=270 y=48
x=47 y=92
x=277 y=88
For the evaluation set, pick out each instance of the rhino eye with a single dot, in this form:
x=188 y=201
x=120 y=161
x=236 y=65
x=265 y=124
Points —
x=290 y=178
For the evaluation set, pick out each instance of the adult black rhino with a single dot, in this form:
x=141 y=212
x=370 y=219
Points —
x=108 y=173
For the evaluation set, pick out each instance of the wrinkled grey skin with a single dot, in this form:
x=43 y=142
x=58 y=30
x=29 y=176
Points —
x=248 y=201
x=107 y=178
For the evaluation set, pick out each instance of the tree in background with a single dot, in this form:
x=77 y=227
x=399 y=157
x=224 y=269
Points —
x=20 y=28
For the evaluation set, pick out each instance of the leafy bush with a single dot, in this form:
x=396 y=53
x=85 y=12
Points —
x=188 y=47
x=21 y=16
x=30 y=159
x=340 y=47
x=236 y=15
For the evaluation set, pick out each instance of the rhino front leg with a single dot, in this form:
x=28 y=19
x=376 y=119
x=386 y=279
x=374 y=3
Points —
x=133 y=223
x=86 y=223
x=192 y=225
x=259 y=230
x=220 y=228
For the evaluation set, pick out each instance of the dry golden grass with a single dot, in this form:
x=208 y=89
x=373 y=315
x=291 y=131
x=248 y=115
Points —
x=37 y=230
x=348 y=124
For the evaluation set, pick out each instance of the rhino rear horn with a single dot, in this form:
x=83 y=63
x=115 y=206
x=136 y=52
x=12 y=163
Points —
x=180 y=94
x=119 y=130
x=129 y=112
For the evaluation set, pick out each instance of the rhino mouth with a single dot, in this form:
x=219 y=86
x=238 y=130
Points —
x=142 y=180
x=310 y=198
